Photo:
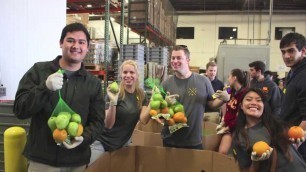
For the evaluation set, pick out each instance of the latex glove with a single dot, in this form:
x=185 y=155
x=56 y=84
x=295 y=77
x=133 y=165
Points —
x=74 y=143
x=297 y=141
x=220 y=126
x=55 y=81
x=223 y=130
x=113 y=97
x=171 y=99
x=263 y=157
x=222 y=95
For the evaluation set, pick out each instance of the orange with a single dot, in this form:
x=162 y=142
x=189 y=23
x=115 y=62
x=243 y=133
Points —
x=260 y=147
x=153 y=112
x=185 y=120
x=164 y=110
x=170 y=122
x=178 y=117
x=59 y=135
x=80 y=130
x=295 y=132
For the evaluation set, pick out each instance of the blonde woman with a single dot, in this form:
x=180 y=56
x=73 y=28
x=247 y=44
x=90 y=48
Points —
x=122 y=112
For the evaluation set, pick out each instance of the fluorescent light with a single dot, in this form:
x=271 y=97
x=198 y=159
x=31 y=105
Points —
x=89 y=5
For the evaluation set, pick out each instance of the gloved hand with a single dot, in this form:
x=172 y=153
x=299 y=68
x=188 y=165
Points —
x=55 y=81
x=297 y=141
x=74 y=143
x=113 y=97
x=222 y=95
x=171 y=99
x=220 y=126
x=223 y=130
x=263 y=157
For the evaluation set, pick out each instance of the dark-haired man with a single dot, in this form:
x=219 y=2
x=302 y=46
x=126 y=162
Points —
x=271 y=90
x=38 y=94
x=293 y=49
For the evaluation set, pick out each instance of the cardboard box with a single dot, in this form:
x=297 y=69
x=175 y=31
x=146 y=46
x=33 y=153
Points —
x=147 y=135
x=210 y=140
x=160 y=159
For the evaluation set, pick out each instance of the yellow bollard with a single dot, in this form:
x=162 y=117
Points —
x=14 y=141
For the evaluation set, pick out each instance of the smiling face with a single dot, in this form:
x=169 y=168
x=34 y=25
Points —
x=179 y=61
x=74 y=48
x=291 y=55
x=129 y=75
x=252 y=105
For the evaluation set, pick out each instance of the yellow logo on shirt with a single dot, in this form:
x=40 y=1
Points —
x=192 y=91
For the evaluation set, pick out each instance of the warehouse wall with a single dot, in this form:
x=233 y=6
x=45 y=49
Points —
x=30 y=32
x=205 y=45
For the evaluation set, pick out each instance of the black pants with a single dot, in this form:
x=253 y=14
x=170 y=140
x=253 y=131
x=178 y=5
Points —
x=302 y=150
x=200 y=147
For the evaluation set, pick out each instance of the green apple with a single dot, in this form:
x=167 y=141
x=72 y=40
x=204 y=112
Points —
x=76 y=118
x=157 y=97
x=155 y=104
x=61 y=121
x=73 y=129
x=114 y=87
x=163 y=104
x=65 y=113
x=51 y=123
x=178 y=108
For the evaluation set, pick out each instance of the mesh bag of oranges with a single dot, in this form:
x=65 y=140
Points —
x=64 y=123
x=174 y=115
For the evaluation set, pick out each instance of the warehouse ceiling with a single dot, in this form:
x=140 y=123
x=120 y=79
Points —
x=186 y=7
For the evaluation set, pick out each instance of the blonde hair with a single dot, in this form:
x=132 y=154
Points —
x=140 y=95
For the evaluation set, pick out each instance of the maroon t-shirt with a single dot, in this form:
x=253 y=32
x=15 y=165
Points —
x=232 y=109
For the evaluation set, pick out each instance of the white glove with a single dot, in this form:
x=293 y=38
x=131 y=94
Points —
x=113 y=97
x=297 y=141
x=74 y=143
x=223 y=130
x=222 y=95
x=55 y=81
x=263 y=157
x=220 y=126
x=171 y=99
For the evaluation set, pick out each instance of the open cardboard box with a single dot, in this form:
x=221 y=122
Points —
x=149 y=135
x=160 y=159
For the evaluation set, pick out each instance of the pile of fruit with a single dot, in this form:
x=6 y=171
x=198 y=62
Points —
x=65 y=126
x=174 y=114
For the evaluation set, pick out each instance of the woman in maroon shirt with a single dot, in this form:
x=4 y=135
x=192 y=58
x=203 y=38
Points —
x=239 y=82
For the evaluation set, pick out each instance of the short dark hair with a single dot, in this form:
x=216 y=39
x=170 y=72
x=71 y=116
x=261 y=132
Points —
x=182 y=47
x=211 y=64
x=293 y=37
x=268 y=73
x=258 y=65
x=72 y=28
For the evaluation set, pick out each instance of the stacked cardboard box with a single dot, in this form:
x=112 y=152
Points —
x=138 y=11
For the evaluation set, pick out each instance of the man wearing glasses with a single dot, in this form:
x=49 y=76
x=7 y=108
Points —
x=193 y=91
